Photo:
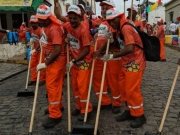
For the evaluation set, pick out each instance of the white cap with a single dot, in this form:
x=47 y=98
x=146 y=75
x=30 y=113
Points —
x=112 y=13
x=43 y=12
x=108 y=2
x=74 y=9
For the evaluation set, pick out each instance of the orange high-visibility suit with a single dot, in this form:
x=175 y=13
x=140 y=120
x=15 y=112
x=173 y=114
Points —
x=112 y=71
x=79 y=38
x=133 y=66
x=161 y=33
x=36 y=35
x=53 y=35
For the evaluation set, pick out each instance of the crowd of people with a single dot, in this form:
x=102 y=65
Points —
x=126 y=62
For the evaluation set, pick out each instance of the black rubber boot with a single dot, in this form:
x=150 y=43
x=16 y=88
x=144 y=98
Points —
x=46 y=111
x=116 y=109
x=81 y=116
x=41 y=83
x=50 y=122
x=75 y=112
x=31 y=83
x=138 y=122
x=125 y=116
x=106 y=106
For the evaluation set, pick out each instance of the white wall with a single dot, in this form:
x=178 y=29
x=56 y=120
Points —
x=158 y=12
x=8 y=51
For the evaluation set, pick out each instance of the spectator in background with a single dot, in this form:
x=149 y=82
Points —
x=172 y=28
x=22 y=32
x=177 y=26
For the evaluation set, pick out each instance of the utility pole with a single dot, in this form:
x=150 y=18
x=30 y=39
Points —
x=147 y=3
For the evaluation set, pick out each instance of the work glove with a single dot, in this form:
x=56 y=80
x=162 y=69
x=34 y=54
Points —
x=7 y=31
x=107 y=57
x=68 y=66
x=32 y=51
x=31 y=41
x=110 y=36
x=40 y=66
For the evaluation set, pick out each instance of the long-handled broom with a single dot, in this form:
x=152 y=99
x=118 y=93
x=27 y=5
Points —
x=26 y=92
x=167 y=105
x=35 y=97
x=101 y=90
x=85 y=129
x=69 y=102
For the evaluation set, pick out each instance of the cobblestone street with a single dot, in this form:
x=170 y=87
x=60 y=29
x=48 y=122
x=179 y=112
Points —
x=15 y=112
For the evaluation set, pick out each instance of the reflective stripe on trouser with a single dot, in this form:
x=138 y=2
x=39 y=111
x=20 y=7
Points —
x=80 y=84
x=112 y=75
x=34 y=62
x=97 y=77
x=162 y=50
x=131 y=92
x=54 y=80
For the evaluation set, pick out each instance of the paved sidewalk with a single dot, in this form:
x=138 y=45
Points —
x=8 y=70
x=15 y=112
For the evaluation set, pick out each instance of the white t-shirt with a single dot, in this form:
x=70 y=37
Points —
x=172 y=27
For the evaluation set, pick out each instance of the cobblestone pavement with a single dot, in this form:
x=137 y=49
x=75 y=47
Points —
x=15 y=111
x=8 y=69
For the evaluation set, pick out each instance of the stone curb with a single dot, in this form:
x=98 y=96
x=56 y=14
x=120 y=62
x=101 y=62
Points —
x=13 y=74
x=26 y=62
x=173 y=47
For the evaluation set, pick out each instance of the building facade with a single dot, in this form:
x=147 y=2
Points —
x=154 y=15
x=13 y=19
x=172 y=10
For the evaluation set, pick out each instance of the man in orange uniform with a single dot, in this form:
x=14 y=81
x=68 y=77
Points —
x=136 y=22
x=36 y=34
x=22 y=33
x=79 y=43
x=53 y=45
x=161 y=35
x=112 y=69
x=133 y=66
x=64 y=19
x=145 y=27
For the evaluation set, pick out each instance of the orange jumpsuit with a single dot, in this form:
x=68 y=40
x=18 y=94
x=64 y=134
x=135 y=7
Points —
x=53 y=35
x=79 y=38
x=162 y=41
x=112 y=71
x=133 y=66
x=22 y=34
x=36 y=35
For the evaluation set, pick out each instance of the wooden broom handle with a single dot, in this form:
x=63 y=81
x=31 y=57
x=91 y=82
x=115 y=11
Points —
x=27 y=79
x=131 y=9
x=68 y=93
x=90 y=85
x=35 y=96
x=169 y=99
x=101 y=90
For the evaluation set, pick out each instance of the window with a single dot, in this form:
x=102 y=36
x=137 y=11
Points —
x=3 y=21
x=171 y=16
x=17 y=20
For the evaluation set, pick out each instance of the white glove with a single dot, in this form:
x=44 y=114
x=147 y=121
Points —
x=107 y=57
x=7 y=31
x=110 y=36
x=31 y=41
x=68 y=66
x=32 y=51
x=40 y=66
